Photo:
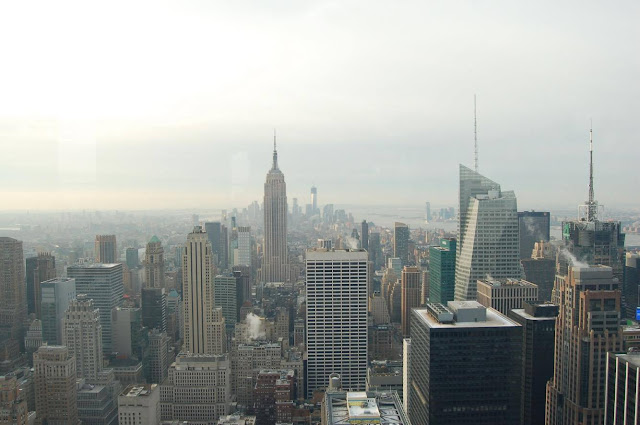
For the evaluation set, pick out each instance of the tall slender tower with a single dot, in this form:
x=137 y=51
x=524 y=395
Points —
x=274 y=264
x=154 y=264
x=410 y=296
x=489 y=244
x=39 y=268
x=203 y=324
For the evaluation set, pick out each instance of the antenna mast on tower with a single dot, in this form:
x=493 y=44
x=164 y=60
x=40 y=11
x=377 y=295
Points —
x=475 y=133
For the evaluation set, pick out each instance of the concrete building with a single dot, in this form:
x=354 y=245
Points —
x=336 y=317
x=132 y=258
x=226 y=298
x=410 y=296
x=103 y=284
x=246 y=362
x=465 y=365
x=154 y=264
x=139 y=404
x=364 y=231
x=401 y=242
x=197 y=390
x=38 y=269
x=157 y=360
x=82 y=335
x=13 y=404
x=534 y=226
x=442 y=271
x=275 y=256
x=541 y=269
x=55 y=386
x=98 y=400
x=379 y=309
x=242 y=255
x=55 y=297
x=488 y=241
x=127 y=331
x=506 y=294
x=203 y=324
x=588 y=326
x=274 y=393
x=13 y=302
x=106 y=249
x=385 y=376
x=622 y=396
x=538 y=343
x=366 y=407
x=237 y=419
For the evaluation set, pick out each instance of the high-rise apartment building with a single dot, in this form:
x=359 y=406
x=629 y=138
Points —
x=488 y=242
x=336 y=317
x=139 y=404
x=198 y=389
x=55 y=297
x=203 y=323
x=587 y=327
x=103 y=284
x=154 y=264
x=465 y=365
x=401 y=242
x=410 y=296
x=506 y=294
x=82 y=335
x=534 y=226
x=538 y=339
x=38 y=269
x=275 y=254
x=55 y=385
x=442 y=271
x=13 y=300
x=106 y=249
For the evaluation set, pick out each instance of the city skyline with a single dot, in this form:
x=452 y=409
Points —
x=331 y=90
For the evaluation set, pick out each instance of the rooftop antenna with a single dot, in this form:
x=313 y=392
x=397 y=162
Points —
x=593 y=207
x=475 y=133
x=275 y=152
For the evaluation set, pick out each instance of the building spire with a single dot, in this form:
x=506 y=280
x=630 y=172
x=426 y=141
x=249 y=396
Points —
x=475 y=134
x=591 y=203
x=275 y=152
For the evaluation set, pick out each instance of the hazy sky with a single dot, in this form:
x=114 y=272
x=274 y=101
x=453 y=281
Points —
x=172 y=104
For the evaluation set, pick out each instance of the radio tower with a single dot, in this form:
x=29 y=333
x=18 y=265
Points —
x=475 y=133
x=592 y=205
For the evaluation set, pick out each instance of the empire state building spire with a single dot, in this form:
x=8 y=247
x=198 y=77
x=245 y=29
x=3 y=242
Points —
x=275 y=152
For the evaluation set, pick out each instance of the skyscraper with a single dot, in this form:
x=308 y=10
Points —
x=55 y=297
x=314 y=200
x=225 y=290
x=55 y=385
x=587 y=327
x=13 y=300
x=154 y=264
x=534 y=226
x=39 y=268
x=506 y=294
x=82 y=335
x=488 y=245
x=411 y=287
x=538 y=330
x=103 y=284
x=364 y=237
x=214 y=233
x=154 y=308
x=465 y=366
x=623 y=394
x=242 y=255
x=427 y=212
x=275 y=259
x=106 y=249
x=133 y=260
x=336 y=317
x=442 y=271
x=401 y=242
x=202 y=331
x=13 y=404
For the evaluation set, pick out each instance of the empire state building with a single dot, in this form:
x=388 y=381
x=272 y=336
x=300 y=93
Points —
x=274 y=263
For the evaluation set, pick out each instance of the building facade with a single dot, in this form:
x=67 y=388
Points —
x=55 y=297
x=401 y=242
x=82 y=335
x=55 y=385
x=506 y=294
x=336 y=317
x=106 y=249
x=622 y=403
x=442 y=271
x=38 y=269
x=410 y=297
x=275 y=255
x=154 y=264
x=139 y=404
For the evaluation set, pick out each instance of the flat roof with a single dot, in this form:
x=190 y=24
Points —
x=631 y=358
x=494 y=320
x=138 y=390
x=507 y=283
x=524 y=314
x=365 y=407
x=322 y=254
